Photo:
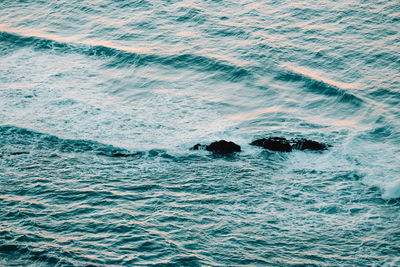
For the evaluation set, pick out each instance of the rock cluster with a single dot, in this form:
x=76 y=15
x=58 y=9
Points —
x=284 y=145
x=280 y=144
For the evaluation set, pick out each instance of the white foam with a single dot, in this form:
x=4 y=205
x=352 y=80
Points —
x=144 y=108
x=392 y=190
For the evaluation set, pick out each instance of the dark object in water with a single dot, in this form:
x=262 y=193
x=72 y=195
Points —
x=221 y=147
x=305 y=144
x=274 y=143
x=122 y=155
x=284 y=145
x=13 y=154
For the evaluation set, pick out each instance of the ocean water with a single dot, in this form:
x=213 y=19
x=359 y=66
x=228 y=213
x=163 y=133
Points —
x=82 y=82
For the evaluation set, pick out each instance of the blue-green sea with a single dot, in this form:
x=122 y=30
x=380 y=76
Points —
x=101 y=101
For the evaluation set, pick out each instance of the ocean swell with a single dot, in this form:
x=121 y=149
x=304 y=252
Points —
x=120 y=57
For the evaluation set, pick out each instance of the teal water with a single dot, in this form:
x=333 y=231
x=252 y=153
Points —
x=84 y=82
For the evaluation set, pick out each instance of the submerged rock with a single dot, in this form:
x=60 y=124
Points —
x=198 y=147
x=280 y=144
x=274 y=143
x=284 y=145
x=123 y=155
x=221 y=147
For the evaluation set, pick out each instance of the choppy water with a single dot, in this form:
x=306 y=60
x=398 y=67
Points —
x=84 y=81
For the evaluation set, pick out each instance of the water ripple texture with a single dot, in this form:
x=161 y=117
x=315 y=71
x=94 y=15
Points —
x=101 y=101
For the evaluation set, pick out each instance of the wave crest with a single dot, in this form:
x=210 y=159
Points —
x=319 y=85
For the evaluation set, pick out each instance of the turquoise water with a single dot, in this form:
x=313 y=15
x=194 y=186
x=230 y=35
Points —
x=84 y=81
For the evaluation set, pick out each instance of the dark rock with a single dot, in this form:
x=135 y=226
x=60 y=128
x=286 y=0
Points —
x=284 y=145
x=258 y=142
x=274 y=143
x=221 y=147
x=305 y=144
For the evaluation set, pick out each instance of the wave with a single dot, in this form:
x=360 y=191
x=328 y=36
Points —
x=122 y=57
x=318 y=84
x=17 y=141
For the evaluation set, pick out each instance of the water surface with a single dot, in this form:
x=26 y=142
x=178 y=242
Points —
x=84 y=81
